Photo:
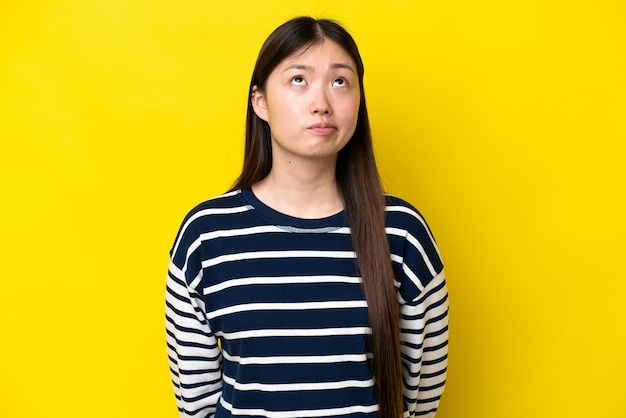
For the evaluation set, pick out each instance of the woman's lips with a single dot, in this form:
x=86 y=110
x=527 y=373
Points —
x=322 y=128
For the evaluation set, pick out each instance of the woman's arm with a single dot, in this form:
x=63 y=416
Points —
x=194 y=355
x=424 y=345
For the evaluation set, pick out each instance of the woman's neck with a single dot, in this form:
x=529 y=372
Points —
x=301 y=189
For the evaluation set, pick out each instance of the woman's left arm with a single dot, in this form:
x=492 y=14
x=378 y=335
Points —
x=423 y=298
x=424 y=345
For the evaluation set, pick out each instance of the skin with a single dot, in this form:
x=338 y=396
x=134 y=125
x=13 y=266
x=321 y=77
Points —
x=311 y=102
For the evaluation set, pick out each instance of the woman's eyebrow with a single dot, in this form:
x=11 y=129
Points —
x=311 y=68
x=299 y=67
x=343 y=65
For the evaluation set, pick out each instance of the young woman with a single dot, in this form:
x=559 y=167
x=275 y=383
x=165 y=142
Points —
x=305 y=291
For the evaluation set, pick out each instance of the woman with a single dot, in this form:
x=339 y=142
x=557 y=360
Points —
x=305 y=291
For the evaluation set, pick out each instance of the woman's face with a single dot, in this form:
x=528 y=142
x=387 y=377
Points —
x=311 y=103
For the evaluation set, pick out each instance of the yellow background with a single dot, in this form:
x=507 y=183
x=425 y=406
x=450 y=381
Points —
x=503 y=121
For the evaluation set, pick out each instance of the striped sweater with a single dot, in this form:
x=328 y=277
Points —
x=266 y=317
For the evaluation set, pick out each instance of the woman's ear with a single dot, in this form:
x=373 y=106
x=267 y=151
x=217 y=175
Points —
x=259 y=104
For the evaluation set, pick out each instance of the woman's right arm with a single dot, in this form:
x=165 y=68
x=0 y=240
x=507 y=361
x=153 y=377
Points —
x=194 y=355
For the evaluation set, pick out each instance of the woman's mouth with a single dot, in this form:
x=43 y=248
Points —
x=322 y=128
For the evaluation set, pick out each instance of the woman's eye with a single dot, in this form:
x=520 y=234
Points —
x=298 y=80
x=339 y=82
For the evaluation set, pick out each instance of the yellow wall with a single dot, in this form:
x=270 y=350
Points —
x=504 y=122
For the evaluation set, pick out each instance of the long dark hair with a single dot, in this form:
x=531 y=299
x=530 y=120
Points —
x=360 y=188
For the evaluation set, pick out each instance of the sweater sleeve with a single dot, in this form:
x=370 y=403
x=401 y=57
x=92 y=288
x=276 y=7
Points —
x=424 y=345
x=423 y=298
x=194 y=354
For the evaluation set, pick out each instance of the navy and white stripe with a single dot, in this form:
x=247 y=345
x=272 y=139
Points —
x=266 y=316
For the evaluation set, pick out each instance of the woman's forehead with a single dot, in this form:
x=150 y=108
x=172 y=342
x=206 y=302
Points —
x=311 y=54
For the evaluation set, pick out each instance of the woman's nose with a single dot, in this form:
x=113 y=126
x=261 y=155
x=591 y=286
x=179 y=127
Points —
x=320 y=104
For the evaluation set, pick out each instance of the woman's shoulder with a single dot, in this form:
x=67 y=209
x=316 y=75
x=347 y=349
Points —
x=210 y=215
x=402 y=217
x=412 y=241
x=400 y=210
x=230 y=201
x=204 y=215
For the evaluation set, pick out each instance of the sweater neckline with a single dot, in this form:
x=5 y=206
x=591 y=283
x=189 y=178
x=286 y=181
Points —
x=292 y=223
